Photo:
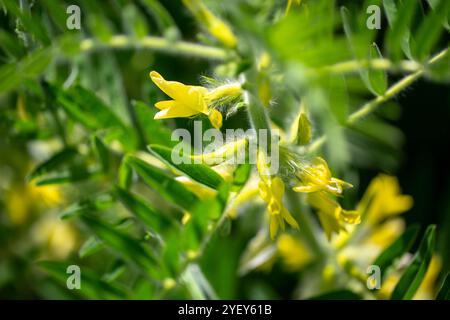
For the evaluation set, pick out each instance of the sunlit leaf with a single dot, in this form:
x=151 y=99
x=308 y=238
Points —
x=414 y=274
x=171 y=189
x=400 y=246
x=199 y=172
x=90 y=246
x=121 y=243
x=143 y=210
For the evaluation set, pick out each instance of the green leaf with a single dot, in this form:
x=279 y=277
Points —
x=118 y=269
x=164 y=184
x=57 y=12
x=143 y=210
x=14 y=74
x=75 y=174
x=54 y=162
x=399 y=247
x=444 y=292
x=90 y=246
x=154 y=131
x=125 y=174
x=338 y=97
x=390 y=8
x=430 y=31
x=102 y=152
x=30 y=22
x=121 y=243
x=10 y=45
x=199 y=172
x=100 y=27
x=86 y=108
x=164 y=20
x=91 y=286
x=201 y=215
x=98 y=203
x=377 y=78
x=399 y=35
x=356 y=45
x=413 y=275
x=197 y=284
x=240 y=176
x=134 y=22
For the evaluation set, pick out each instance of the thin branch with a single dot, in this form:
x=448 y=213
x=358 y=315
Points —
x=156 y=44
x=376 y=64
x=371 y=106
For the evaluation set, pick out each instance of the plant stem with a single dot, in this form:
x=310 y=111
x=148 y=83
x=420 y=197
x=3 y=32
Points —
x=157 y=44
x=377 y=64
x=370 y=106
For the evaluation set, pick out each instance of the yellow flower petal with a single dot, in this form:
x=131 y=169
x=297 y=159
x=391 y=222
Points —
x=161 y=105
x=277 y=187
x=215 y=117
x=289 y=218
x=176 y=111
x=175 y=90
x=273 y=226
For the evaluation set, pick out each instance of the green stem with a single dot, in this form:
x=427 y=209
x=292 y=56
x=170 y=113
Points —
x=257 y=114
x=371 y=106
x=157 y=44
x=377 y=64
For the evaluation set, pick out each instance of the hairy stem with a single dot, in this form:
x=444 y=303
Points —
x=377 y=64
x=157 y=44
x=371 y=106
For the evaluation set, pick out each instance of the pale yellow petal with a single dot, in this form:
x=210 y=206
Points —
x=273 y=226
x=176 y=111
x=173 y=89
x=289 y=218
x=161 y=105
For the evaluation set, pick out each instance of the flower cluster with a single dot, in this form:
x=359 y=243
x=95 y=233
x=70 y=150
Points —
x=188 y=101
x=315 y=179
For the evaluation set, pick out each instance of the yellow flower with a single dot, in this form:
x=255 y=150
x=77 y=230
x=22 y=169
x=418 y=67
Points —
x=23 y=200
x=384 y=234
x=216 y=119
x=248 y=193
x=216 y=27
x=331 y=214
x=58 y=237
x=169 y=284
x=192 y=100
x=187 y=100
x=316 y=176
x=200 y=190
x=294 y=253
x=383 y=199
x=272 y=192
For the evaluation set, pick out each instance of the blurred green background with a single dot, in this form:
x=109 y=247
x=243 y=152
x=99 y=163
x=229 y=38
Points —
x=41 y=64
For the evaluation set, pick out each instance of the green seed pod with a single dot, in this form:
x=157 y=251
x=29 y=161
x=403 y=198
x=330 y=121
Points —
x=304 y=131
